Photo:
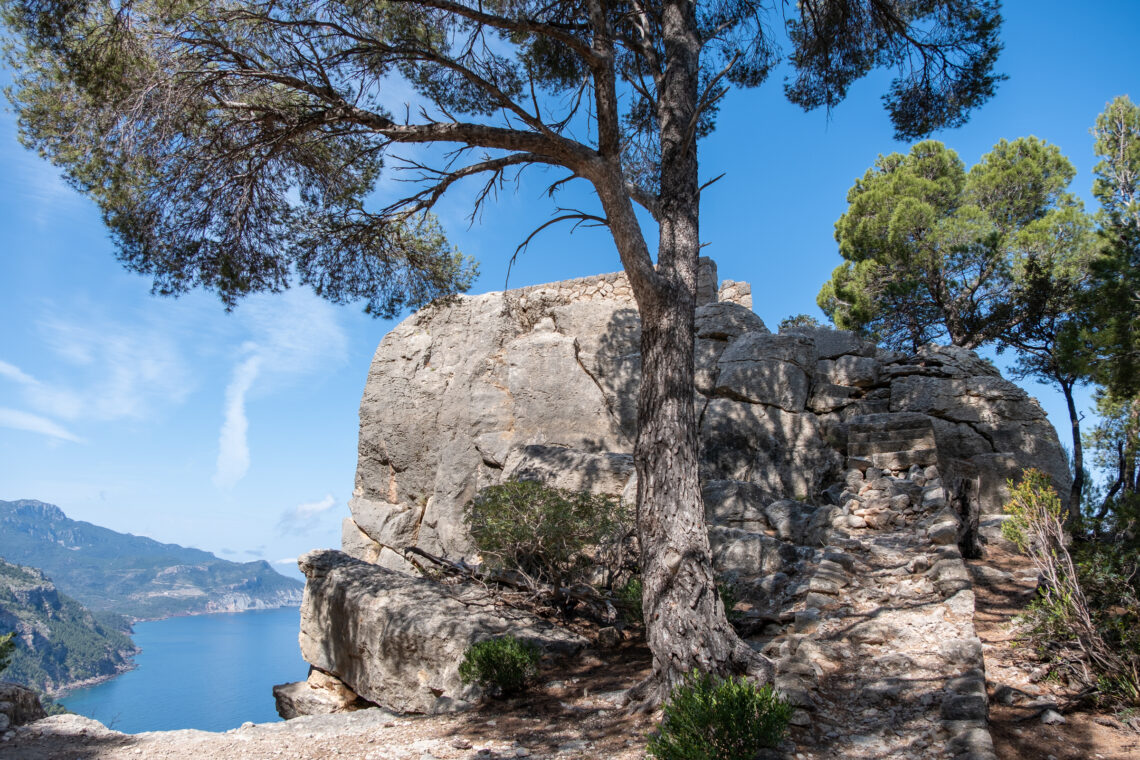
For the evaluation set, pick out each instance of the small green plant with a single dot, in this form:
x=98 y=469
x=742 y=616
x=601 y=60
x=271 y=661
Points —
x=504 y=665
x=729 y=596
x=7 y=648
x=712 y=718
x=548 y=536
x=629 y=597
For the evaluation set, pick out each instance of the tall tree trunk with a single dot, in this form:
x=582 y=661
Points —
x=685 y=620
x=1078 y=453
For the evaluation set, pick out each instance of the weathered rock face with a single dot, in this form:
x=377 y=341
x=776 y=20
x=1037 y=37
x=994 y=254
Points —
x=18 y=705
x=541 y=383
x=397 y=641
x=319 y=694
x=842 y=484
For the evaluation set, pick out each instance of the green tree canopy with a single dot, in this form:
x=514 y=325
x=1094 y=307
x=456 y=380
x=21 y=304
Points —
x=931 y=250
x=1117 y=293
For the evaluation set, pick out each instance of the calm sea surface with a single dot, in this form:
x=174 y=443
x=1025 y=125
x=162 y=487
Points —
x=211 y=672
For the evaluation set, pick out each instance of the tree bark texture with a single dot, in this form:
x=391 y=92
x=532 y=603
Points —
x=685 y=621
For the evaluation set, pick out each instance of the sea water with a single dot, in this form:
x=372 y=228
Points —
x=210 y=672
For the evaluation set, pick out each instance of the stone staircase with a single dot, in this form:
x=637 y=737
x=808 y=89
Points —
x=871 y=627
x=891 y=441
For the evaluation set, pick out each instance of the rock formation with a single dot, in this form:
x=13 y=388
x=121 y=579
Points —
x=542 y=382
x=413 y=630
x=18 y=705
x=842 y=484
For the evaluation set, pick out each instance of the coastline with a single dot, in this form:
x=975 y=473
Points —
x=204 y=672
x=197 y=613
x=83 y=683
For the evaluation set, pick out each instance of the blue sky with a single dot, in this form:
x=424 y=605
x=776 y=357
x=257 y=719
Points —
x=236 y=433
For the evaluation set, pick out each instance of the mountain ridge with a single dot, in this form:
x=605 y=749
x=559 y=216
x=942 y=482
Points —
x=136 y=576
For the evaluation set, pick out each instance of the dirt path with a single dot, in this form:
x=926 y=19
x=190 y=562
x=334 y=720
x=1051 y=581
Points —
x=1004 y=584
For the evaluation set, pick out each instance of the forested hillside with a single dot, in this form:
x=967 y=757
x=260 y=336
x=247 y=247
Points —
x=58 y=641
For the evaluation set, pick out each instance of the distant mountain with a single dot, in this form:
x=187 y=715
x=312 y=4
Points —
x=131 y=575
x=59 y=643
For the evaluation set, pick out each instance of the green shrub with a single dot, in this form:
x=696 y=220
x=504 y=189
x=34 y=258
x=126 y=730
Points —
x=503 y=665
x=710 y=718
x=7 y=647
x=629 y=597
x=799 y=320
x=1086 y=617
x=547 y=535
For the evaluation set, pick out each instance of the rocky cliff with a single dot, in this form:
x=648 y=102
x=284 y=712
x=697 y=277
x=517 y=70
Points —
x=843 y=485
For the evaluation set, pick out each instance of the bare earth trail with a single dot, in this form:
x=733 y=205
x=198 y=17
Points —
x=575 y=713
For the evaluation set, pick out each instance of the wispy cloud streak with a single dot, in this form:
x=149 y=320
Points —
x=233 y=442
x=304 y=517
x=33 y=423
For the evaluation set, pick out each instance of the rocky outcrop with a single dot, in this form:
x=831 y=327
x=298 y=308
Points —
x=843 y=484
x=397 y=641
x=319 y=694
x=541 y=382
x=18 y=705
x=60 y=644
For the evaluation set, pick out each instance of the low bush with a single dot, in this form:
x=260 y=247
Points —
x=504 y=665
x=712 y=718
x=546 y=535
x=1086 y=618
x=629 y=598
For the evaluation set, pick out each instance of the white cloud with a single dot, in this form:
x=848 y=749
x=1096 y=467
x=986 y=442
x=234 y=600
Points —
x=285 y=561
x=33 y=423
x=292 y=334
x=305 y=517
x=233 y=444
x=122 y=370
x=295 y=332
x=101 y=370
x=310 y=508
x=39 y=184
x=14 y=373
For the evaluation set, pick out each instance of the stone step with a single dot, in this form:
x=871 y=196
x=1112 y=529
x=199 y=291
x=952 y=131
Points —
x=894 y=460
x=861 y=448
x=906 y=427
x=889 y=437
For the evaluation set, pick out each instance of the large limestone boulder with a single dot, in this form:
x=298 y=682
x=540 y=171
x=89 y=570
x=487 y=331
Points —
x=457 y=391
x=799 y=432
x=541 y=383
x=397 y=641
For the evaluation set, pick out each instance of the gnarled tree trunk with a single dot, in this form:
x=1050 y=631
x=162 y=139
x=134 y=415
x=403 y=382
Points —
x=685 y=620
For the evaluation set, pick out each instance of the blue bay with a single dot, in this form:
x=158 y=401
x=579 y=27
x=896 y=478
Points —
x=210 y=672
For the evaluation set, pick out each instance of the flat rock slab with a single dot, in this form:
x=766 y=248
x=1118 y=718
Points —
x=396 y=640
